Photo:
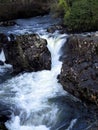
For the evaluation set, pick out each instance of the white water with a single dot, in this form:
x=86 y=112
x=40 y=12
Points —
x=32 y=92
x=6 y=66
x=2 y=57
x=37 y=100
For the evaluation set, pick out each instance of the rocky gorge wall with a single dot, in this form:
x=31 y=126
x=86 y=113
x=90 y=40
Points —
x=13 y=9
x=79 y=73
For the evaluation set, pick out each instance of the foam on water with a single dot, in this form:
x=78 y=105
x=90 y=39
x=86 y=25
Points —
x=37 y=100
x=30 y=93
x=2 y=56
x=72 y=124
x=5 y=66
x=16 y=126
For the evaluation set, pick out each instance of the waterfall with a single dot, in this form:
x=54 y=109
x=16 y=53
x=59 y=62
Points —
x=2 y=56
x=32 y=92
x=37 y=100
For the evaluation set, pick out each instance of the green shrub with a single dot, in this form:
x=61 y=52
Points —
x=78 y=15
x=58 y=8
x=83 y=16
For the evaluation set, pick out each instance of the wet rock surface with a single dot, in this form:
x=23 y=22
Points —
x=79 y=73
x=26 y=52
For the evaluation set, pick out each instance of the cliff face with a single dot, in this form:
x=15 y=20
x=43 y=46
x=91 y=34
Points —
x=13 y=9
x=79 y=74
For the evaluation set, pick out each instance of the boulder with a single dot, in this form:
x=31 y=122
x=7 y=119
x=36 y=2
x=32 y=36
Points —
x=79 y=73
x=26 y=52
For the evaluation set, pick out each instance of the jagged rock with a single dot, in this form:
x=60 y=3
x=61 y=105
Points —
x=79 y=73
x=26 y=52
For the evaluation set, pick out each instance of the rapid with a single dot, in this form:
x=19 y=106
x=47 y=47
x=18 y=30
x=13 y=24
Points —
x=37 y=100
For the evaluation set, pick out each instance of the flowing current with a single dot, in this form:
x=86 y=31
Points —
x=37 y=100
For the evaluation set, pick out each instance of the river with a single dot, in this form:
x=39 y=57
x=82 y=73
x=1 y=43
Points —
x=37 y=99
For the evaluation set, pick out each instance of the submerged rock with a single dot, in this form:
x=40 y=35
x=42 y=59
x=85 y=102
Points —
x=26 y=52
x=79 y=73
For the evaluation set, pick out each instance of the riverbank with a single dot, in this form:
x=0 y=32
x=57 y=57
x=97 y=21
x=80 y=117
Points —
x=22 y=9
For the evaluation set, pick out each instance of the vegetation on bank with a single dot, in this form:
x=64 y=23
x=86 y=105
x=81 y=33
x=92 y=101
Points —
x=78 y=15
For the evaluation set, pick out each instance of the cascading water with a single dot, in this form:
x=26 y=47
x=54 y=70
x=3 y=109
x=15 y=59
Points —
x=2 y=57
x=33 y=91
x=37 y=100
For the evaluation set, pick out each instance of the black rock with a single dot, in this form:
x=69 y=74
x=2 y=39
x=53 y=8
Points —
x=79 y=73
x=1 y=63
x=26 y=52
